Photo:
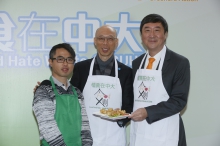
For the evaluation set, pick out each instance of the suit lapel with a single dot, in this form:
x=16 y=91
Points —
x=143 y=65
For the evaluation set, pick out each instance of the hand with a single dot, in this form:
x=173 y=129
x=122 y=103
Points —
x=139 y=115
x=35 y=88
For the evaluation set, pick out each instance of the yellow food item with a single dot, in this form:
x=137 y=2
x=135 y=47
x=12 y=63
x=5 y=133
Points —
x=103 y=111
x=110 y=109
x=113 y=113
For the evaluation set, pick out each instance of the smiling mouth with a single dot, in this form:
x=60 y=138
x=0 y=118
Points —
x=104 y=50
x=65 y=69
x=152 y=40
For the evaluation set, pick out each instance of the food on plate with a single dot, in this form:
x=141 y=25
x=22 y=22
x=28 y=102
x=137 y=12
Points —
x=113 y=113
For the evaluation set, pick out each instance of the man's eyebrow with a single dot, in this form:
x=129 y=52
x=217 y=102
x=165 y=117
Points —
x=151 y=27
x=66 y=57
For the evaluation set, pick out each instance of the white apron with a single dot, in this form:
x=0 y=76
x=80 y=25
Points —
x=99 y=92
x=149 y=90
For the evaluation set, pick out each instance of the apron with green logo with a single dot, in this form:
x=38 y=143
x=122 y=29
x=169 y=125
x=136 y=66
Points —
x=68 y=117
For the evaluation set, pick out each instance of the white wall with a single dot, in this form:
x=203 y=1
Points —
x=193 y=32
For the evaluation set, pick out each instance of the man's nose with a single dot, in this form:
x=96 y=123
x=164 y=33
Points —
x=65 y=62
x=151 y=33
x=105 y=41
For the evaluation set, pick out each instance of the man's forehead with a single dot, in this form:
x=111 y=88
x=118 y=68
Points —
x=151 y=24
x=105 y=31
x=106 y=36
x=61 y=51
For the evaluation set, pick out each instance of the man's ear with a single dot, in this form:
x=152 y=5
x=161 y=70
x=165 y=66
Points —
x=116 y=44
x=166 y=35
x=50 y=62
x=94 y=40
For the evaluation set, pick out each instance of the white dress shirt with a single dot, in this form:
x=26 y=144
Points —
x=156 y=61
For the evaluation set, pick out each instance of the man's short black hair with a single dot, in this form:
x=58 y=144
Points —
x=154 y=18
x=65 y=46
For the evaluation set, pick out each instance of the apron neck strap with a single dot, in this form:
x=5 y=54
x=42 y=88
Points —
x=53 y=86
x=92 y=66
x=143 y=60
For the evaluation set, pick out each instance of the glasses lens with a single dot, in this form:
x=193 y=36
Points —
x=70 y=60
x=109 y=39
x=60 y=59
x=101 y=39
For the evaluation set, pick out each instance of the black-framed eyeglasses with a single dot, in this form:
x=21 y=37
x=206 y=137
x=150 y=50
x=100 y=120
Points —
x=61 y=59
x=109 y=39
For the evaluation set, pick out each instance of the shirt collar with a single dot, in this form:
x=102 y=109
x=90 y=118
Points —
x=156 y=57
x=61 y=84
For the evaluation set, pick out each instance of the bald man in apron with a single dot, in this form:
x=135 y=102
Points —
x=105 y=83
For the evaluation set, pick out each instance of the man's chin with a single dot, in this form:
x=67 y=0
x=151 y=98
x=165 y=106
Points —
x=65 y=75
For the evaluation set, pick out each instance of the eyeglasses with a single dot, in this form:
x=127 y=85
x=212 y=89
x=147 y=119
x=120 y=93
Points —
x=61 y=59
x=109 y=39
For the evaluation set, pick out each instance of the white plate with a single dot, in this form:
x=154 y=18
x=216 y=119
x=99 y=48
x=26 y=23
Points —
x=108 y=117
x=98 y=114
x=114 y=118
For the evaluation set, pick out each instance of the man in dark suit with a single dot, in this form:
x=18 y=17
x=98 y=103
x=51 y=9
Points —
x=93 y=77
x=161 y=85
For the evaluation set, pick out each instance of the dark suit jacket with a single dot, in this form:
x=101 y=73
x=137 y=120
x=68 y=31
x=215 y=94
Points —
x=176 y=80
x=81 y=72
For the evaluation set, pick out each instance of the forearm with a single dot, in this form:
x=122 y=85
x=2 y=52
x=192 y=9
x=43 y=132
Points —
x=162 y=110
x=47 y=125
x=86 y=138
x=85 y=130
x=44 y=110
